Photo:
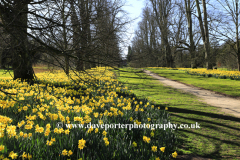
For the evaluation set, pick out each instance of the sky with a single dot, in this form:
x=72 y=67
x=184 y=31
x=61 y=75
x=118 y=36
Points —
x=134 y=8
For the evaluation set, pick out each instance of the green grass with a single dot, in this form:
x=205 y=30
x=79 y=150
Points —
x=43 y=67
x=218 y=137
x=226 y=86
x=5 y=73
x=2 y=72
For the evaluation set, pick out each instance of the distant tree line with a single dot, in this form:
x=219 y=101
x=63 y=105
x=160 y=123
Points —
x=187 y=33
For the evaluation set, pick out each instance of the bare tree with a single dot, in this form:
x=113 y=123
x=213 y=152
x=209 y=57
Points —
x=145 y=49
x=226 y=30
x=65 y=36
x=152 y=39
x=177 y=31
x=188 y=9
x=76 y=27
x=204 y=31
x=4 y=40
x=162 y=10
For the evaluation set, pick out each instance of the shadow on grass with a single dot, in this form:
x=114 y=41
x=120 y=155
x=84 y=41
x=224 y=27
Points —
x=212 y=115
x=201 y=120
x=213 y=155
x=216 y=153
x=218 y=135
x=208 y=125
x=139 y=78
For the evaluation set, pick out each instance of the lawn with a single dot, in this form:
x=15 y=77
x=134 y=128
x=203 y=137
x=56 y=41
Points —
x=36 y=68
x=218 y=136
x=5 y=73
x=225 y=86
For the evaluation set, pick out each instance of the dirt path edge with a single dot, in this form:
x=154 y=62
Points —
x=228 y=105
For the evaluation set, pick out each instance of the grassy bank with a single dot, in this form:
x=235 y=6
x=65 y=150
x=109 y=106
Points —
x=226 y=86
x=218 y=136
x=30 y=116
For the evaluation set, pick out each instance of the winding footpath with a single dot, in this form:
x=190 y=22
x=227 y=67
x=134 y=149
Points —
x=228 y=105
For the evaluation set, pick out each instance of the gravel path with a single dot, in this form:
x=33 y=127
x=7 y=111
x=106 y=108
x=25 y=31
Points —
x=228 y=105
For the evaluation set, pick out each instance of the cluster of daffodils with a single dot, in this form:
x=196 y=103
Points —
x=154 y=149
x=105 y=138
x=31 y=115
x=49 y=143
x=215 y=73
x=67 y=153
x=235 y=75
x=146 y=139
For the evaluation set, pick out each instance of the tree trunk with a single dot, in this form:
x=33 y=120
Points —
x=237 y=43
x=84 y=33
x=76 y=38
x=207 y=44
x=1 y=61
x=67 y=65
x=161 y=14
x=87 y=63
x=22 y=60
x=192 y=47
x=169 y=56
x=65 y=40
x=204 y=32
x=22 y=66
x=88 y=9
x=238 y=64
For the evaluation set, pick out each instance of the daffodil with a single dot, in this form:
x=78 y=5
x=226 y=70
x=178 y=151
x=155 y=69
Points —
x=162 y=149
x=96 y=130
x=70 y=153
x=134 y=144
x=104 y=133
x=106 y=143
x=2 y=147
x=13 y=155
x=152 y=134
x=81 y=144
x=146 y=139
x=154 y=148
x=174 y=154
x=24 y=155
x=67 y=131
x=64 y=152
